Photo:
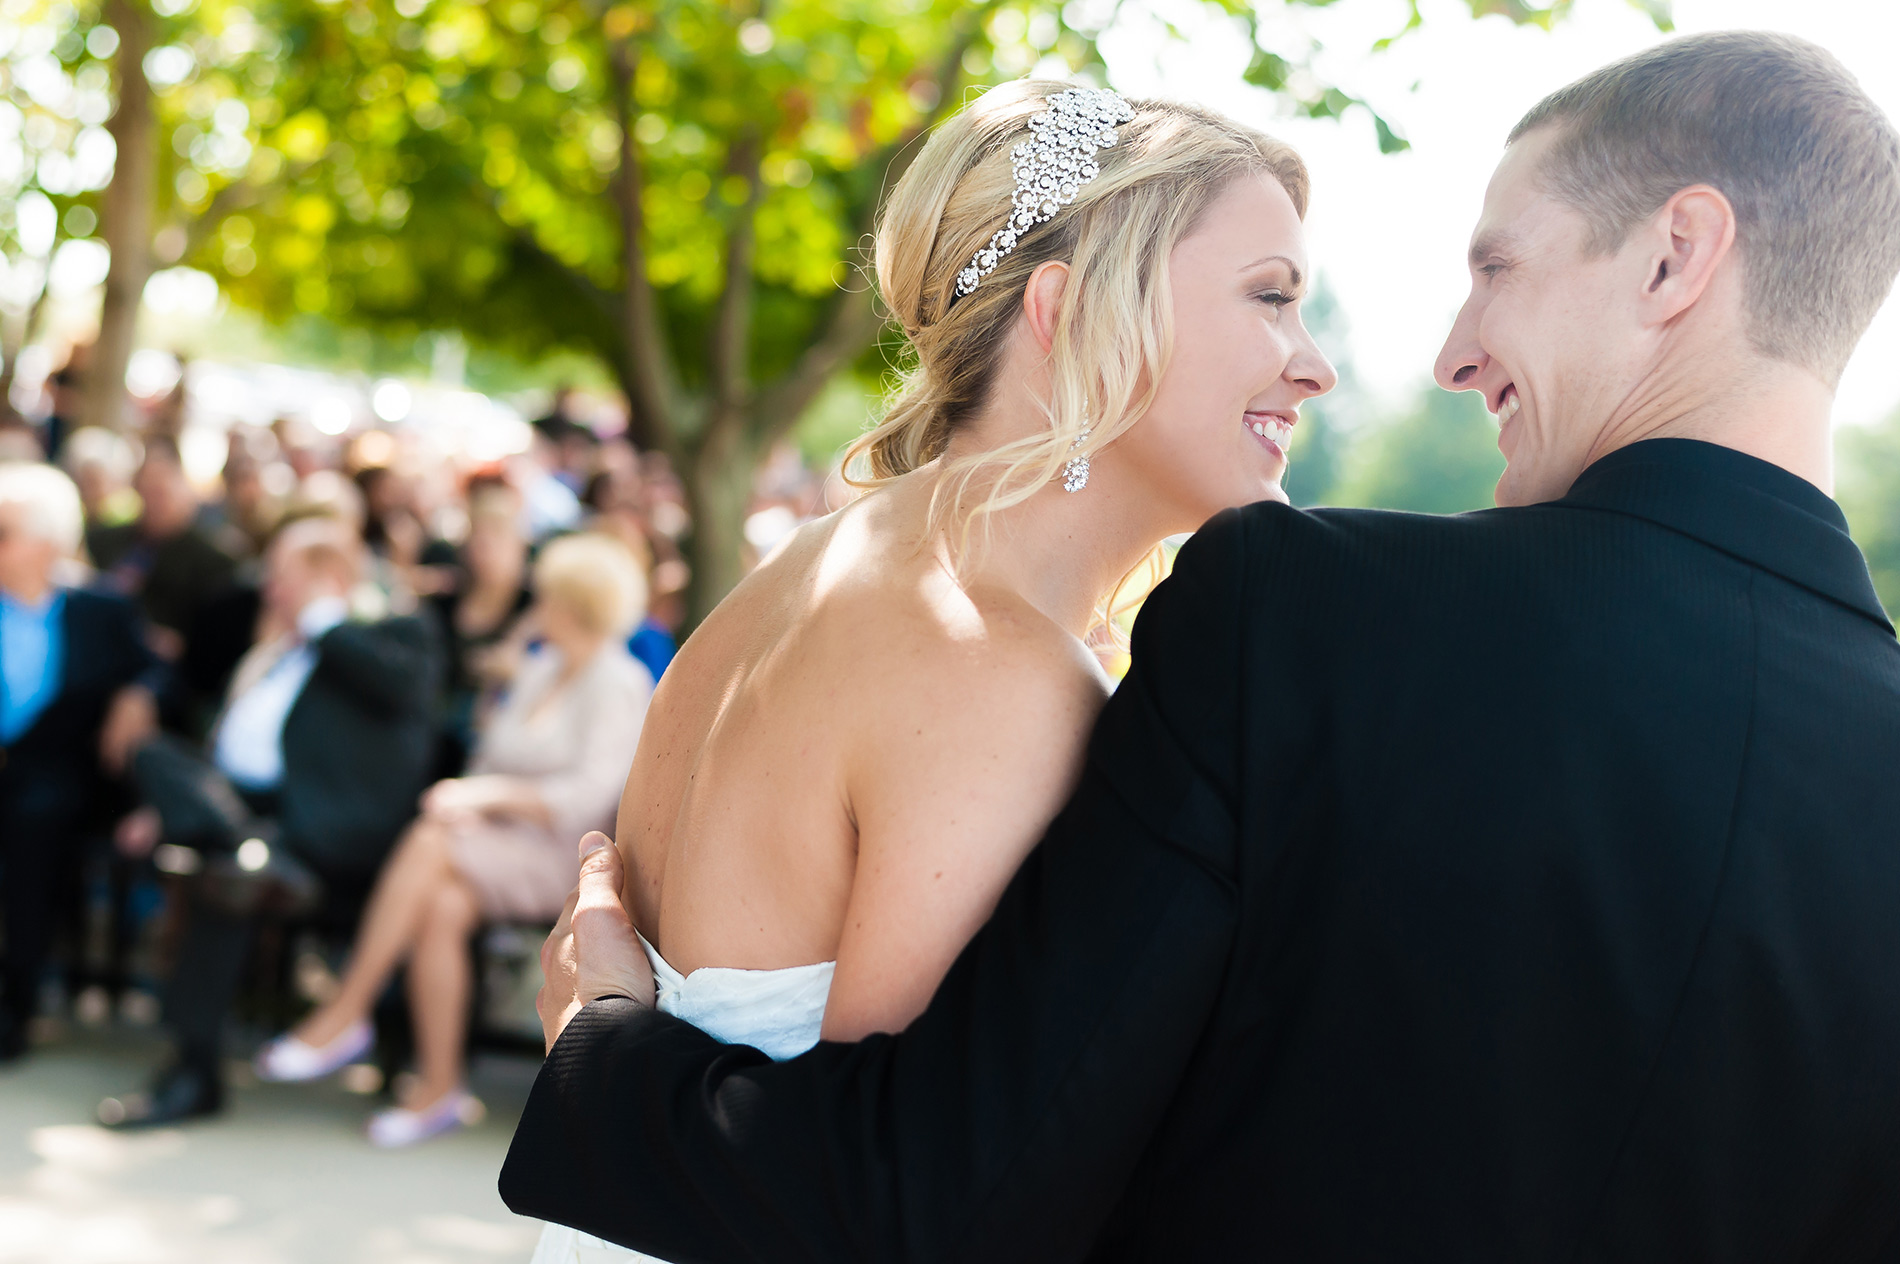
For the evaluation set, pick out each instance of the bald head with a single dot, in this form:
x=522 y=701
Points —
x=308 y=559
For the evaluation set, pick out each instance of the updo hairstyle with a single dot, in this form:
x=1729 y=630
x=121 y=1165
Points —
x=1113 y=332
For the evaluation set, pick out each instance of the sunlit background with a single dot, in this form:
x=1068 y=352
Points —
x=321 y=239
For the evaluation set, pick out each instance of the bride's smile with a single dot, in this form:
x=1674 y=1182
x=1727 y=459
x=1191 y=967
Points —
x=1273 y=429
x=1240 y=349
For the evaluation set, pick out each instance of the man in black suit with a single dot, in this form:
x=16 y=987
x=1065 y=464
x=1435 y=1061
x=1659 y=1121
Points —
x=323 y=746
x=165 y=561
x=1515 y=886
x=78 y=688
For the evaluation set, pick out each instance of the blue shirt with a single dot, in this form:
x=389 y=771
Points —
x=32 y=661
x=653 y=645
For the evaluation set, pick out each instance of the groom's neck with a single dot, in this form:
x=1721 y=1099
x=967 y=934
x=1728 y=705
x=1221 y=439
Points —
x=1768 y=409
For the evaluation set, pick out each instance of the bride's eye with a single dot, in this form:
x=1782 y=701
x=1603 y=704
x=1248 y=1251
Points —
x=1274 y=298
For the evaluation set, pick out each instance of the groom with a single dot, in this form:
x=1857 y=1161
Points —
x=1517 y=886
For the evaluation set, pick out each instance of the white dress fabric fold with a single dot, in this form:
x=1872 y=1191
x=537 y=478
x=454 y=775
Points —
x=778 y=1012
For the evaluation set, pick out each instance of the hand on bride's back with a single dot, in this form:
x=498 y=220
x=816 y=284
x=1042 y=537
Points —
x=592 y=951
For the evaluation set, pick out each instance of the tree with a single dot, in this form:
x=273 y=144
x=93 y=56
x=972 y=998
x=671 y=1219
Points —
x=54 y=157
x=1870 y=493
x=1440 y=456
x=140 y=120
x=679 y=187
x=1321 y=440
x=125 y=212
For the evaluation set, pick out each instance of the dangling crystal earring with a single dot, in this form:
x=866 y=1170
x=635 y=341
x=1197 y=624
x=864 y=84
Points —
x=1075 y=474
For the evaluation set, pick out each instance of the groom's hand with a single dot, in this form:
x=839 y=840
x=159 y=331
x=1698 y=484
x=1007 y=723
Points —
x=592 y=951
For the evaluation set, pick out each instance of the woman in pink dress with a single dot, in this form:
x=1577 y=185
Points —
x=497 y=843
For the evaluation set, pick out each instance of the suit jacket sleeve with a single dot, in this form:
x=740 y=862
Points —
x=1005 y=1122
x=388 y=667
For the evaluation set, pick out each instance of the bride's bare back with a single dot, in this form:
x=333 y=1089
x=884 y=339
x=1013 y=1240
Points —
x=848 y=760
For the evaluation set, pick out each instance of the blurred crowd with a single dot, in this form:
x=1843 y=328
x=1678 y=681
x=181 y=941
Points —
x=355 y=692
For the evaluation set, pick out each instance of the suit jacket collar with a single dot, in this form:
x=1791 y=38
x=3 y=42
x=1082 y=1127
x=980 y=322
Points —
x=1739 y=504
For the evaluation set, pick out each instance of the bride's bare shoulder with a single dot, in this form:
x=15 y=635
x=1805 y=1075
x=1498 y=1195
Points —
x=855 y=607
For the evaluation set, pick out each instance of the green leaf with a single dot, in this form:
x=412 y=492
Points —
x=1390 y=142
x=1267 y=70
x=1661 y=12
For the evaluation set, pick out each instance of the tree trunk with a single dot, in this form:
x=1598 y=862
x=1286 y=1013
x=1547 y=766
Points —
x=718 y=482
x=125 y=219
x=10 y=349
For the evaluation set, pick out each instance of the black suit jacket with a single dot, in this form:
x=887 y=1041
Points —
x=52 y=770
x=171 y=579
x=1517 y=886
x=359 y=743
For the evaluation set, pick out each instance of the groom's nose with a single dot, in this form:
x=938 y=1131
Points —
x=1461 y=362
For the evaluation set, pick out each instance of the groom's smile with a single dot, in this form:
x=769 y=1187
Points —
x=1542 y=335
x=1505 y=409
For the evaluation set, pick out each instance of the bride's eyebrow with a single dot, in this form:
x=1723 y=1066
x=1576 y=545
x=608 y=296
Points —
x=1296 y=278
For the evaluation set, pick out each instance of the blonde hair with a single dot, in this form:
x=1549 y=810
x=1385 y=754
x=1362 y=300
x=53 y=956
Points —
x=597 y=579
x=1113 y=329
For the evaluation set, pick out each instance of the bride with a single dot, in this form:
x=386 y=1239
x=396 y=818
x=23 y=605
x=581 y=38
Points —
x=850 y=758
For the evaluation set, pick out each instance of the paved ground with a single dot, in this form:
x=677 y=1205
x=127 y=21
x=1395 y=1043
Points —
x=284 y=1178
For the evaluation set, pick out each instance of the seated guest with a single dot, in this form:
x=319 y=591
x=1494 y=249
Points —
x=476 y=616
x=102 y=464
x=615 y=495
x=653 y=645
x=164 y=560
x=65 y=388
x=498 y=843
x=317 y=759
x=77 y=689
x=241 y=520
x=396 y=528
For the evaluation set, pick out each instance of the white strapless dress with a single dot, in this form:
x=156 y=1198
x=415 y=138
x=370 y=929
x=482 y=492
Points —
x=777 y=1012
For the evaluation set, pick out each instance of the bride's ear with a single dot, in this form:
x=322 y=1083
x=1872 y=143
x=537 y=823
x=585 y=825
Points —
x=1042 y=297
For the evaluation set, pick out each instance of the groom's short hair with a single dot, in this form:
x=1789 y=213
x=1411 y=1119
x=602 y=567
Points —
x=1809 y=162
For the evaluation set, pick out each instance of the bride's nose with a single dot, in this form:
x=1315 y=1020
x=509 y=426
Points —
x=1310 y=369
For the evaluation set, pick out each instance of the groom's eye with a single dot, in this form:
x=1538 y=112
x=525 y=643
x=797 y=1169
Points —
x=1490 y=271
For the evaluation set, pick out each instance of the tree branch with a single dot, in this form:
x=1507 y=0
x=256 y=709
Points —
x=853 y=324
x=731 y=342
x=854 y=321
x=232 y=198
x=654 y=385
x=597 y=298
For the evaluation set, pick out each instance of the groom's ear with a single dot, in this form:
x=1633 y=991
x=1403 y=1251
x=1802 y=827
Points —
x=1042 y=298
x=1686 y=241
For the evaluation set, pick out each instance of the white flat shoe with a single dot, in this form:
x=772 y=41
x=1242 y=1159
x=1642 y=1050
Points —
x=394 y=1128
x=288 y=1060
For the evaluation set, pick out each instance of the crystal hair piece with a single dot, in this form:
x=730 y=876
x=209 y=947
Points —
x=1051 y=167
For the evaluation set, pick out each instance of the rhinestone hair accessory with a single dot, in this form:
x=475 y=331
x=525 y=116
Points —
x=1051 y=167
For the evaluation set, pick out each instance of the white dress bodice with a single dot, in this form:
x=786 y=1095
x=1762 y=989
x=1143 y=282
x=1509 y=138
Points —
x=778 y=1012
